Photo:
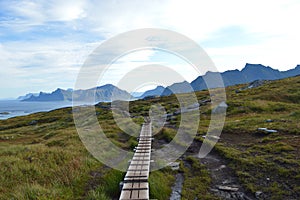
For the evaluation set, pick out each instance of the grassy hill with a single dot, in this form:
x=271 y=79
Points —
x=42 y=157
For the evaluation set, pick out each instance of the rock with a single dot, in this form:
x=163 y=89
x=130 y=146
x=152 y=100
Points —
x=228 y=188
x=221 y=108
x=240 y=195
x=269 y=120
x=214 y=190
x=213 y=137
x=121 y=184
x=267 y=130
x=226 y=195
x=272 y=131
x=256 y=84
x=262 y=129
x=222 y=166
x=227 y=181
x=4 y=113
x=205 y=101
x=174 y=165
x=33 y=122
x=258 y=194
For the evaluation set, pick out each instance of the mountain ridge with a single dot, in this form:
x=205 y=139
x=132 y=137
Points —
x=250 y=73
x=103 y=93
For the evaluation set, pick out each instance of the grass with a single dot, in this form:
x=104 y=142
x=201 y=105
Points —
x=196 y=180
x=46 y=159
x=262 y=162
x=160 y=183
x=42 y=157
x=38 y=171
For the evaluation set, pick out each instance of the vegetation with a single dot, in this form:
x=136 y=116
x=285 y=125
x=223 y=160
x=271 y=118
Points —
x=160 y=184
x=197 y=180
x=267 y=162
x=42 y=157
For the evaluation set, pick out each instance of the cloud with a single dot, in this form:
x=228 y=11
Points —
x=41 y=66
x=39 y=12
x=44 y=43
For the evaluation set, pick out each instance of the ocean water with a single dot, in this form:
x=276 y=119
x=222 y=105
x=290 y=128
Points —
x=13 y=108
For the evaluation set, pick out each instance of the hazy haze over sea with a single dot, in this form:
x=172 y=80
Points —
x=13 y=108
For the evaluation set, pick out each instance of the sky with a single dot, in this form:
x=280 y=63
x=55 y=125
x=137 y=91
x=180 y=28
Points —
x=44 y=43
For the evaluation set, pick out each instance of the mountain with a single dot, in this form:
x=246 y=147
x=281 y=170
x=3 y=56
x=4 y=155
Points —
x=249 y=73
x=104 y=93
x=20 y=98
x=100 y=94
x=137 y=94
x=57 y=95
x=155 y=92
x=292 y=72
x=183 y=87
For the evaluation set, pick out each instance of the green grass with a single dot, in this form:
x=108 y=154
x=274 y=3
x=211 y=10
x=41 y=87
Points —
x=42 y=157
x=46 y=159
x=196 y=180
x=160 y=183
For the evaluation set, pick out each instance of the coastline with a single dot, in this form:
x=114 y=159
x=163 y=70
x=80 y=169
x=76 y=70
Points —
x=15 y=108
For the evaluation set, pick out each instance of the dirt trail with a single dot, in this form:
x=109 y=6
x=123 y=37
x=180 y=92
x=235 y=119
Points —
x=225 y=184
x=177 y=188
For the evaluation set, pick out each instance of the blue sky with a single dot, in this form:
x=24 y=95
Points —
x=43 y=43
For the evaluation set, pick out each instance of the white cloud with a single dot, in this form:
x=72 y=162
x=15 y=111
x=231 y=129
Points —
x=44 y=11
x=39 y=66
x=270 y=29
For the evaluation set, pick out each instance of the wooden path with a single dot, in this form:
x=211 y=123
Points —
x=136 y=184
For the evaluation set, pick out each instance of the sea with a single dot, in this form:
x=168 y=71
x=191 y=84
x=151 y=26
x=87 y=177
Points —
x=13 y=108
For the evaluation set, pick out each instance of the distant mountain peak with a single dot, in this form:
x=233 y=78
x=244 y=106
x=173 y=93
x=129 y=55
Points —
x=249 y=73
x=250 y=66
x=210 y=72
x=99 y=94
x=21 y=98
x=154 y=92
x=58 y=90
x=159 y=87
x=108 y=85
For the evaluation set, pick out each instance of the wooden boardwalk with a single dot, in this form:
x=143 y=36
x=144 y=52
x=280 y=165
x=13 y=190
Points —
x=136 y=184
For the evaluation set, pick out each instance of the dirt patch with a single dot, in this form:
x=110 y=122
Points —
x=225 y=183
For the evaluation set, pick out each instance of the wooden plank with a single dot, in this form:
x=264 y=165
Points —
x=134 y=194
x=144 y=194
x=136 y=184
x=125 y=194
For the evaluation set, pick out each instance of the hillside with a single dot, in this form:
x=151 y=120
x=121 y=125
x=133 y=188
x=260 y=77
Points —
x=42 y=157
